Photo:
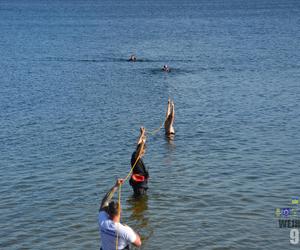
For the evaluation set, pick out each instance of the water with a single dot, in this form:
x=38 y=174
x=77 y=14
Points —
x=71 y=107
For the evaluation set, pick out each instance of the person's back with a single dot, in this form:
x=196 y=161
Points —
x=110 y=227
x=109 y=230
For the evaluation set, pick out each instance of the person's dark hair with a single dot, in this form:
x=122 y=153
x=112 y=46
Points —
x=113 y=209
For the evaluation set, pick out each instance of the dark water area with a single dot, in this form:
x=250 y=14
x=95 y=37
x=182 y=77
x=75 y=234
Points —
x=71 y=106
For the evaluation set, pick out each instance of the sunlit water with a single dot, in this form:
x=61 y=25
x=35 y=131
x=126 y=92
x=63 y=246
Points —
x=71 y=107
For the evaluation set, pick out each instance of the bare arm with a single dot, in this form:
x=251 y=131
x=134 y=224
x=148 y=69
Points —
x=138 y=241
x=107 y=198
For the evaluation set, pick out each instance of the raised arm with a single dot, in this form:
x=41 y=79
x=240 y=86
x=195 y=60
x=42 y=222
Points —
x=107 y=198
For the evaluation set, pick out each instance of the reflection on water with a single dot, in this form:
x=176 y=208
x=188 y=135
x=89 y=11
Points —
x=172 y=71
x=66 y=86
x=138 y=207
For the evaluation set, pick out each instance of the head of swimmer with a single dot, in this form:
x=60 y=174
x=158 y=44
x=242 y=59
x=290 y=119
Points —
x=113 y=211
x=132 y=58
x=166 y=67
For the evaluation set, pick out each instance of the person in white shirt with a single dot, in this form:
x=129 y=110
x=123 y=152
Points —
x=110 y=226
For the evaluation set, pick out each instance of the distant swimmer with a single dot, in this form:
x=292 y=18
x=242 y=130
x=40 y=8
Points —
x=140 y=175
x=132 y=58
x=166 y=68
x=110 y=226
x=170 y=116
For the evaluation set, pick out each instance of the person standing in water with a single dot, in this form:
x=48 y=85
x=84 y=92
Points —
x=140 y=175
x=110 y=226
x=170 y=116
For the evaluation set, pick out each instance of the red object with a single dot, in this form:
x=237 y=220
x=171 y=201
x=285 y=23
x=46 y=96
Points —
x=138 y=178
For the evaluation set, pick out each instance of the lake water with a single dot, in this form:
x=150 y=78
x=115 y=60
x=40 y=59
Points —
x=71 y=107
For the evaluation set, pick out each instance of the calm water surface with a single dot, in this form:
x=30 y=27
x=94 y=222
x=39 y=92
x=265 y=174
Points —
x=71 y=108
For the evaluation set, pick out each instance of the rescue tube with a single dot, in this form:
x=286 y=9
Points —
x=138 y=178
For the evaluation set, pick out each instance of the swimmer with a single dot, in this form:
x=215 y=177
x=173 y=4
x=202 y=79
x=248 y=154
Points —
x=132 y=58
x=170 y=116
x=140 y=175
x=109 y=224
x=166 y=68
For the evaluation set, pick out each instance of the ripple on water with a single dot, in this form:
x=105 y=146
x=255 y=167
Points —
x=71 y=106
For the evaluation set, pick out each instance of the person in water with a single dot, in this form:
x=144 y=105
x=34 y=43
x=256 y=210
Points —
x=132 y=58
x=140 y=175
x=110 y=226
x=166 y=68
x=170 y=116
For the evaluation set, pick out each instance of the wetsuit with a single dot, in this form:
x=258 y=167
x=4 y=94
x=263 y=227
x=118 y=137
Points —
x=139 y=185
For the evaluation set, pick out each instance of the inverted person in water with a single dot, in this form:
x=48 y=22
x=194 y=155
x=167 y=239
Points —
x=110 y=226
x=140 y=174
x=170 y=116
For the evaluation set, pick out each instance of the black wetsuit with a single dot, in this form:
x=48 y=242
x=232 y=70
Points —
x=139 y=188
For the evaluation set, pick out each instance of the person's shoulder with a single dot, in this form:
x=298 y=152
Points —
x=125 y=228
x=127 y=232
x=102 y=215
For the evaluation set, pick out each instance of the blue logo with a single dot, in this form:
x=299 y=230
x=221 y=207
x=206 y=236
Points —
x=286 y=212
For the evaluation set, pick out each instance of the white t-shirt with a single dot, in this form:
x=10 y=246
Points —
x=108 y=234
